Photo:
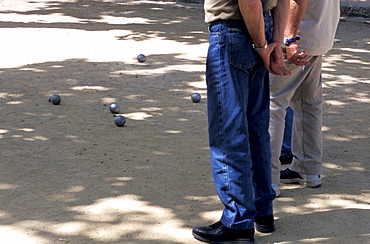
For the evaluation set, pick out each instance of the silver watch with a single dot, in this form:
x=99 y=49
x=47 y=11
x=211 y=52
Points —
x=257 y=49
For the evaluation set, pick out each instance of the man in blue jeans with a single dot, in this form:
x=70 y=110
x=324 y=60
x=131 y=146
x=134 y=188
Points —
x=243 y=47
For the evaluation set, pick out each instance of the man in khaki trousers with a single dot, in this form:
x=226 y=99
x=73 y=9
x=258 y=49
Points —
x=309 y=34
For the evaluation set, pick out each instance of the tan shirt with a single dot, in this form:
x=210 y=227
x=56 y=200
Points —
x=228 y=9
x=318 y=26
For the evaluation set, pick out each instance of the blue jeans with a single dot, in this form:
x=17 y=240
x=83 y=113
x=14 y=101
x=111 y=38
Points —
x=238 y=122
x=286 y=148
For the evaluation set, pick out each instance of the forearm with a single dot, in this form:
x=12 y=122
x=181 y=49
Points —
x=297 y=10
x=280 y=15
x=252 y=13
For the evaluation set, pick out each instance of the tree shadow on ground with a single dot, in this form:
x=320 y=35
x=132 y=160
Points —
x=100 y=16
x=70 y=175
x=61 y=163
x=308 y=215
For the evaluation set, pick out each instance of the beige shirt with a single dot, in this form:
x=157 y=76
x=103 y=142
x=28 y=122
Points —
x=221 y=9
x=228 y=9
x=318 y=26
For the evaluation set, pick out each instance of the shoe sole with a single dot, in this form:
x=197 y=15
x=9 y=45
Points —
x=312 y=183
x=237 y=241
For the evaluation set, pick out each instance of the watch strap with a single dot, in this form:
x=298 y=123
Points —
x=291 y=40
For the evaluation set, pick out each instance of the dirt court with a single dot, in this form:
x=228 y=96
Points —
x=70 y=175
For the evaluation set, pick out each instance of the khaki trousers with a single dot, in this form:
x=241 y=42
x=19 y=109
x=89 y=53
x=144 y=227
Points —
x=302 y=91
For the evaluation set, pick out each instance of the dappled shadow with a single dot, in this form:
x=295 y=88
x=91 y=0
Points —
x=338 y=211
x=347 y=96
x=321 y=226
x=70 y=175
x=125 y=17
x=69 y=172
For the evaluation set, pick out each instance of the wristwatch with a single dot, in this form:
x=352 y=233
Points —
x=292 y=40
x=257 y=49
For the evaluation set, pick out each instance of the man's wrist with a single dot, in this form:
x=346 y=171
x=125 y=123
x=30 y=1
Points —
x=257 y=49
x=289 y=41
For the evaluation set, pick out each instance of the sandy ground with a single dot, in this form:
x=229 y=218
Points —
x=70 y=175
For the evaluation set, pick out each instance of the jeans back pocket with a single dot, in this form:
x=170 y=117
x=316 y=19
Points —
x=241 y=54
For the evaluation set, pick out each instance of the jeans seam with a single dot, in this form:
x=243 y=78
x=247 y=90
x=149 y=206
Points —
x=222 y=125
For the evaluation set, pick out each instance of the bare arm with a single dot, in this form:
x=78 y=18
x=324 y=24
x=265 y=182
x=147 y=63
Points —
x=252 y=13
x=297 y=10
x=280 y=15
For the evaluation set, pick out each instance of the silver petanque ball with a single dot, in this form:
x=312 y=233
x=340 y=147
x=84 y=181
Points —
x=141 y=58
x=120 y=120
x=114 y=108
x=195 y=97
x=55 y=99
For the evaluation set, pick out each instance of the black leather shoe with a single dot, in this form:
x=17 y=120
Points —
x=218 y=233
x=264 y=224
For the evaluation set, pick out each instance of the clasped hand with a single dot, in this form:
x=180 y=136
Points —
x=273 y=59
x=296 y=57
